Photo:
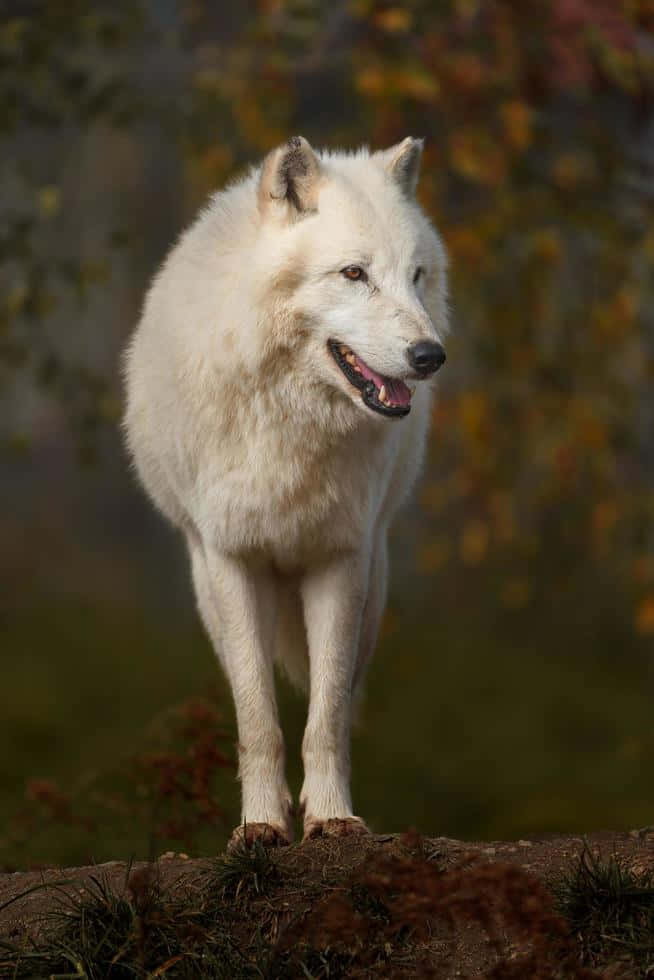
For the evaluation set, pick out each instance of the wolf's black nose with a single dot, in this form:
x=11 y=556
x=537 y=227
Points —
x=426 y=356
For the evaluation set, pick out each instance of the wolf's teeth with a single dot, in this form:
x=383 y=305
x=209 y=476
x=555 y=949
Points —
x=382 y=393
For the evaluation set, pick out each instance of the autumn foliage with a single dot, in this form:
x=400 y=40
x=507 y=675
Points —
x=537 y=117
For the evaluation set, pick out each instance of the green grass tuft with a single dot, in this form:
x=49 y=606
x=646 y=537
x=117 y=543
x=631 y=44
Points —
x=142 y=932
x=244 y=873
x=610 y=908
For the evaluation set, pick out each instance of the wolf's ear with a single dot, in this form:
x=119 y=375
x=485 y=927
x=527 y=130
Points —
x=402 y=163
x=289 y=178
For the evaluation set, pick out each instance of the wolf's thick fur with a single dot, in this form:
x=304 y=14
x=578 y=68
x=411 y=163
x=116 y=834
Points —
x=251 y=439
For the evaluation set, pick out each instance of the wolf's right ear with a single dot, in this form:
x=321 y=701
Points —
x=289 y=180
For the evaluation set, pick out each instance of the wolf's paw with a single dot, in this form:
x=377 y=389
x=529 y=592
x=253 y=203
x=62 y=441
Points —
x=270 y=835
x=336 y=827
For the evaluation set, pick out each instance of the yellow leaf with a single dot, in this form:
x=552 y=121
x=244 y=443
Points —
x=474 y=542
x=16 y=298
x=417 y=84
x=410 y=83
x=209 y=80
x=258 y=126
x=473 y=411
x=546 y=246
x=467 y=9
x=49 y=201
x=630 y=748
x=619 y=315
x=361 y=8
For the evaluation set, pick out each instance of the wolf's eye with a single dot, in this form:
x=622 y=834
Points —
x=354 y=273
x=417 y=275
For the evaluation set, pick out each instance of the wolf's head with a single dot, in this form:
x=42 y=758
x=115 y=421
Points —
x=359 y=265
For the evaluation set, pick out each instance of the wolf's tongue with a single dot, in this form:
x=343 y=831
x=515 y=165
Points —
x=396 y=390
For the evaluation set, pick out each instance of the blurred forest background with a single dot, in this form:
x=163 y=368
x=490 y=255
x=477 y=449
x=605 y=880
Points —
x=512 y=692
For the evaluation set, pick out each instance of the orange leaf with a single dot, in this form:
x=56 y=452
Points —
x=516 y=119
x=466 y=244
x=370 y=81
x=474 y=542
x=467 y=72
x=476 y=157
x=572 y=168
x=394 y=20
x=515 y=593
x=433 y=556
x=645 y=616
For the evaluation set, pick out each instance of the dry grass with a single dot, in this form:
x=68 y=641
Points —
x=322 y=911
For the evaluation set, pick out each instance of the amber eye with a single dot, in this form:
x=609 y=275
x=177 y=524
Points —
x=353 y=272
x=417 y=274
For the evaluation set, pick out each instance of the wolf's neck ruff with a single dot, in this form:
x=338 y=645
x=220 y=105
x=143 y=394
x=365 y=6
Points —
x=388 y=396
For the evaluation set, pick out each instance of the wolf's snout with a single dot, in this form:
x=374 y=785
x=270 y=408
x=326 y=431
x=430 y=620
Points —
x=426 y=356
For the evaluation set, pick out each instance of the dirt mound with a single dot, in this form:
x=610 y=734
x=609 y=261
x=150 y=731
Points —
x=392 y=906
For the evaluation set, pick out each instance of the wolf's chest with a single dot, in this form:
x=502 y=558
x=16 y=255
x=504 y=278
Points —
x=307 y=480
x=291 y=492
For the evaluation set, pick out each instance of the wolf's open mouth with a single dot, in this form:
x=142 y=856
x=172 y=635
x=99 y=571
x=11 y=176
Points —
x=388 y=396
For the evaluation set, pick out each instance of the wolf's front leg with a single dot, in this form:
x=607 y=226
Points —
x=237 y=605
x=333 y=597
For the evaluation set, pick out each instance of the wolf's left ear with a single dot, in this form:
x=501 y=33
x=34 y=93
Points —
x=402 y=163
x=289 y=178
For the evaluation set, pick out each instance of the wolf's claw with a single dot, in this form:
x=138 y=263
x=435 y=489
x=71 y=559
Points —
x=245 y=835
x=336 y=827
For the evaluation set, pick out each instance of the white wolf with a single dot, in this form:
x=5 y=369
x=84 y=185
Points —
x=270 y=416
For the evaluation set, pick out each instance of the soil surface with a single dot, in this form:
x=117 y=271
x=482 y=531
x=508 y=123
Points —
x=403 y=874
